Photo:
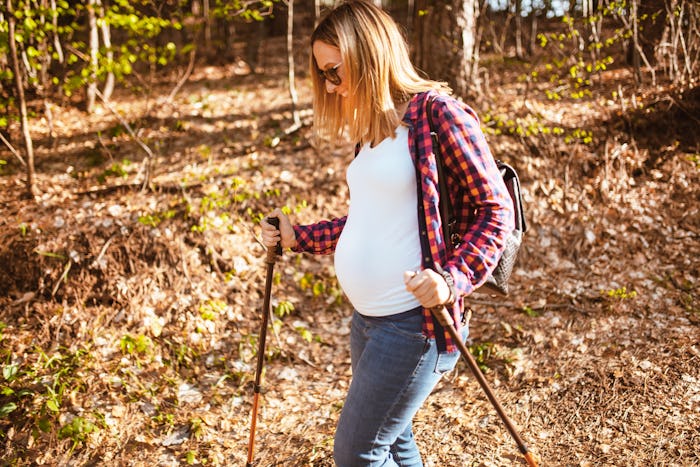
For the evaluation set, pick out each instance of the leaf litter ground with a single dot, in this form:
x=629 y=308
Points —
x=137 y=313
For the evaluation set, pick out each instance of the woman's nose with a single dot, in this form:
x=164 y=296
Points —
x=330 y=87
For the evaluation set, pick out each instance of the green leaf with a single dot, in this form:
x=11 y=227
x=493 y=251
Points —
x=9 y=372
x=7 y=409
x=32 y=52
x=50 y=254
x=44 y=424
x=29 y=24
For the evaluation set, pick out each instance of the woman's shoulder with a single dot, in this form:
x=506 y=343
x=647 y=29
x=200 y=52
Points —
x=443 y=108
x=449 y=107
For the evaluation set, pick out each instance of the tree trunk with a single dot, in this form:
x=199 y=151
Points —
x=56 y=41
x=207 y=24
x=24 y=121
x=290 y=62
x=639 y=54
x=587 y=6
x=94 y=46
x=532 y=45
x=445 y=43
x=519 y=52
x=109 y=55
x=45 y=83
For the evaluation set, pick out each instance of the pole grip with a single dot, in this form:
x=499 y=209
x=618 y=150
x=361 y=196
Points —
x=277 y=250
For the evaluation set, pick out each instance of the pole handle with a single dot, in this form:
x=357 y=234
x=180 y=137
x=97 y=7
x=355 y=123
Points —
x=277 y=250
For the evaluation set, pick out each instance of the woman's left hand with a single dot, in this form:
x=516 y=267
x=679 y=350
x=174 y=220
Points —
x=428 y=287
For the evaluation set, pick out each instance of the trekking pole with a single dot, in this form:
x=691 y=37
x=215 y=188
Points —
x=272 y=254
x=444 y=318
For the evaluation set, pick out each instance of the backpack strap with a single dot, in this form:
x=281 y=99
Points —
x=447 y=216
x=512 y=181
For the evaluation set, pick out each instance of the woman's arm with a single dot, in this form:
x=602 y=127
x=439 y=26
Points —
x=486 y=213
x=319 y=238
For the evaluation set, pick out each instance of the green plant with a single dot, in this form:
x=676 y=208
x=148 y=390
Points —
x=185 y=355
x=77 y=430
x=210 y=309
x=136 y=345
x=62 y=366
x=197 y=427
x=305 y=333
x=54 y=397
x=620 y=293
x=530 y=312
x=531 y=126
x=695 y=160
x=255 y=216
x=615 y=298
x=50 y=254
x=163 y=418
x=252 y=11
x=577 y=56
x=481 y=352
x=8 y=407
x=37 y=390
x=117 y=169
x=154 y=220
x=191 y=457
x=215 y=206
x=322 y=287
x=9 y=373
x=283 y=308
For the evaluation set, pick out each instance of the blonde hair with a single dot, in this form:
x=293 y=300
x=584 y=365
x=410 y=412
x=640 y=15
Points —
x=378 y=74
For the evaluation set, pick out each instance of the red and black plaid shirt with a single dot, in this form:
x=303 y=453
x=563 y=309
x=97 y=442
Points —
x=480 y=199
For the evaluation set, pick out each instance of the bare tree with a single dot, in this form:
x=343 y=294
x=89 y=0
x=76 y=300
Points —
x=518 y=6
x=109 y=53
x=207 y=24
x=93 y=48
x=679 y=48
x=290 y=62
x=56 y=41
x=32 y=190
x=445 y=41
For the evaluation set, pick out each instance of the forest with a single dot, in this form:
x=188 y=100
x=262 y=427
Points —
x=142 y=142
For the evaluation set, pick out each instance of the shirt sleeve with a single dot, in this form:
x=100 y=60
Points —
x=486 y=213
x=319 y=238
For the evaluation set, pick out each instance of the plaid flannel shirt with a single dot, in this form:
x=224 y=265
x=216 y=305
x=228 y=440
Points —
x=480 y=199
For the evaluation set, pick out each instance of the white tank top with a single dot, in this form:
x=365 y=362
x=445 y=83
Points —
x=380 y=239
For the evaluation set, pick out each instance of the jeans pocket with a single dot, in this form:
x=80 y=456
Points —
x=411 y=332
x=446 y=361
x=409 y=324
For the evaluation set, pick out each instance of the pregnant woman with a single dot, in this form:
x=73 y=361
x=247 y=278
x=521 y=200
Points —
x=390 y=257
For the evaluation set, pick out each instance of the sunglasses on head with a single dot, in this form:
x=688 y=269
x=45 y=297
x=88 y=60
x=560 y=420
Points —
x=331 y=74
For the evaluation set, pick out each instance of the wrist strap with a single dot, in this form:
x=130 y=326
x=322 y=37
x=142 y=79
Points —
x=450 y=283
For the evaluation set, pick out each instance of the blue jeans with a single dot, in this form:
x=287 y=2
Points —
x=394 y=369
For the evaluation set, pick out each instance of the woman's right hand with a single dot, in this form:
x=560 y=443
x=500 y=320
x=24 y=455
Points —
x=271 y=236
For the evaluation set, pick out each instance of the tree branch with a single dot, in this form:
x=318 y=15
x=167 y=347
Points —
x=12 y=150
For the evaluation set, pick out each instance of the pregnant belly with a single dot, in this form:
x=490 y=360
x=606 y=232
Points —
x=370 y=264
